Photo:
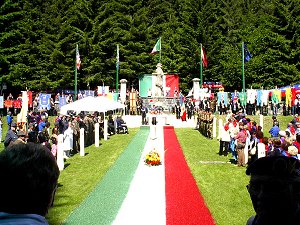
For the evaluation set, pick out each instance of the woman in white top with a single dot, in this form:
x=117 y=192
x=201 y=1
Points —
x=68 y=140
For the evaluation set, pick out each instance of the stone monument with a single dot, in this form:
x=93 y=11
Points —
x=158 y=84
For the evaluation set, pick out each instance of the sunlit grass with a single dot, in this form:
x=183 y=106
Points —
x=81 y=174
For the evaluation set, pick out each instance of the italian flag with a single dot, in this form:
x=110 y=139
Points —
x=157 y=47
x=133 y=193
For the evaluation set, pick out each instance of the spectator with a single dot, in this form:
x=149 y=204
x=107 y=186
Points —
x=121 y=125
x=259 y=134
x=42 y=124
x=274 y=131
x=68 y=141
x=110 y=125
x=241 y=142
x=11 y=135
x=32 y=134
x=296 y=143
x=224 y=139
x=9 y=119
x=30 y=175
x=21 y=138
x=274 y=191
x=43 y=141
x=277 y=149
x=54 y=145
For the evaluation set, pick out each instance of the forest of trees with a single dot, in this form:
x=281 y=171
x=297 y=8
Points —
x=38 y=40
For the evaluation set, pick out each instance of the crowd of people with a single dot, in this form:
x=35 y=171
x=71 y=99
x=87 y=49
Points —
x=239 y=132
x=38 y=130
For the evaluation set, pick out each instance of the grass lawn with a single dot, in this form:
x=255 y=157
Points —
x=221 y=183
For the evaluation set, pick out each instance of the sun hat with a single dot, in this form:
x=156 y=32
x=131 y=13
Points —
x=282 y=133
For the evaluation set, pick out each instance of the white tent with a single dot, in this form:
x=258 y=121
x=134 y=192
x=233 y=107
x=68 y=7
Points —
x=91 y=104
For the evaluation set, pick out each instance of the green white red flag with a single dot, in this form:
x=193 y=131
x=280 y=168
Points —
x=157 y=47
x=204 y=58
x=78 y=61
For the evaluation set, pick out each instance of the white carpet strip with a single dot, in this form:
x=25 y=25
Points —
x=145 y=202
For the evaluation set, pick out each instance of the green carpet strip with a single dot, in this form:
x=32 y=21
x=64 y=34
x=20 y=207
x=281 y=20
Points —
x=103 y=204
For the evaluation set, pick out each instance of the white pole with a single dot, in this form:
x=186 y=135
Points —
x=105 y=129
x=82 y=142
x=96 y=134
x=60 y=152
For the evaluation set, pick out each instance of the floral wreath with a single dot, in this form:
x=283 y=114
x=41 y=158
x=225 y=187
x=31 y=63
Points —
x=152 y=158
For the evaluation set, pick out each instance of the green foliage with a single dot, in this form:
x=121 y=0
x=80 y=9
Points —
x=38 y=40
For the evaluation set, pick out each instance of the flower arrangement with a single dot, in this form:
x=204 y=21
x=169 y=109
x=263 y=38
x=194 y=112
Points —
x=152 y=158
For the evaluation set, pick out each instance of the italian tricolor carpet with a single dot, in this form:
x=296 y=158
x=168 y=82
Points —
x=132 y=193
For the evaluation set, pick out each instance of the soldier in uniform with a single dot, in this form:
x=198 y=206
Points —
x=210 y=125
x=76 y=134
x=213 y=106
x=86 y=129
x=178 y=110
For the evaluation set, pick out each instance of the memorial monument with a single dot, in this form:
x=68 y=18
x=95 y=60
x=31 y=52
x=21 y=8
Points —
x=158 y=82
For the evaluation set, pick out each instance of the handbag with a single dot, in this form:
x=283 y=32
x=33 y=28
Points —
x=252 y=151
x=240 y=145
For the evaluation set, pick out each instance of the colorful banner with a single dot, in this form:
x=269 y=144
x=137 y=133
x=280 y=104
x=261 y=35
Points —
x=8 y=103
x=17 y=104
x=44 y=101
x=62 y=101
x=29 y=94
x=251 y=96
x=89 y=93
x=103 y=90
x=223 y=96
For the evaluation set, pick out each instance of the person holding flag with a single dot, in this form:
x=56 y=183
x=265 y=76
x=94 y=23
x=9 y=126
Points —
x=182 y=106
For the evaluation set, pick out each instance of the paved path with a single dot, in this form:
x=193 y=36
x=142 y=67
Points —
x=136 y=121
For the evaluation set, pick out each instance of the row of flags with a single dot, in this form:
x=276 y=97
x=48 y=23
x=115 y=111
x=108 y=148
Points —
x=247 y=54
x=157 y=48
x=259 y=97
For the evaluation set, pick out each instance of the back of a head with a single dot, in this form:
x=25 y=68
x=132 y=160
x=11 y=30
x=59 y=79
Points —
x=274 y=189
x=29 y=175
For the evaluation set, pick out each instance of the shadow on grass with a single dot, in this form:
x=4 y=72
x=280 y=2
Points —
x=232 y=161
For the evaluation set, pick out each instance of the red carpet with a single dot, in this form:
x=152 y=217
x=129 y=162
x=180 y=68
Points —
x=184 y=203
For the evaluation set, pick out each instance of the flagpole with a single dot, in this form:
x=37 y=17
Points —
x=201 y=75
x=159 y=49
x=117 y=72
x=243 y=67
x=75 y=86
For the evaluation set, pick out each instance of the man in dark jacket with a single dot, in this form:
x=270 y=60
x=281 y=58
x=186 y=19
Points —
x=11 y=135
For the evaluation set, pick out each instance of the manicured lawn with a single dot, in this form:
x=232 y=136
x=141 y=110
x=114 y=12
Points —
x=81 y=174
x=222 y=184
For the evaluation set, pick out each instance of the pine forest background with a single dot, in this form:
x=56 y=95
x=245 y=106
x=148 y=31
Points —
x=38 y=40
